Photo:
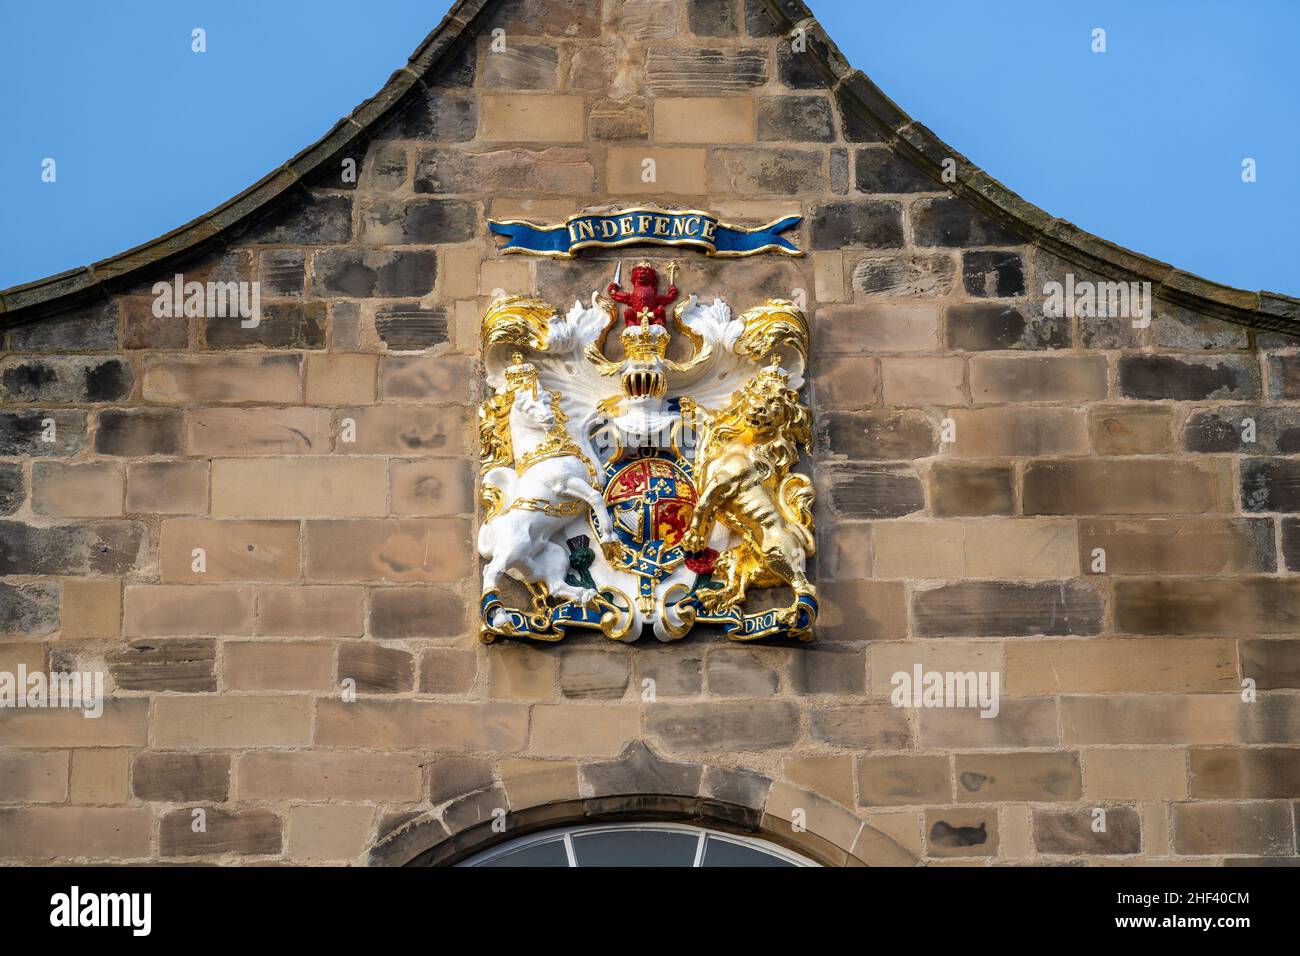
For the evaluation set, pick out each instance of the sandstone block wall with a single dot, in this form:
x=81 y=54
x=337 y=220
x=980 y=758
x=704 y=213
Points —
x=972 y=458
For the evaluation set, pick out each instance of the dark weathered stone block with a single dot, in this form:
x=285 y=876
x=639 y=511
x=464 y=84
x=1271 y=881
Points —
x=108 y=381
x=783 y=172
x=282 y=272
x=397 y=613
x=459 y=68
x=885 y=491
x=1072 y=832
x=1001 y=609
x=874 y=725
x=360 y=275
x=412 y=327
x=1284 y=376
x=30 y=381
x=675 y=673
x=879 y=436
x=26 y=608
x=1174 y=327
x=141 y=329
x=376 y=669
x=135 y=433
x=309 y=219
x=66 y=379
x=89 y=329
x=868 y=224
x=241 y=832
x=1188 y=377
x=520 y=66
x=705 y=72
x=741 y=787
x=446 y=119
x=878 y=169
x=839 y=166
x=12 y=489
x=980 y=326
x=1225 y=429
x=856 y=126
x=101 y=547
x=1233 y=773
x=474 y=809
x=454 y=776
x=829 y=669
x=1103 y=332
x=181 y=777
x=1124 y=486
x=1270 y=484
x=1272 y=664
x=798 y=69
x=713 y=18
x=958 y=490
x=903 y=275
x=25 y=432
x=756 y=725
x=639 y=770
x=1291 y=543
x=951 y=221
x=512 y=171
x=759 y=20
x=1250 y=606
x=179 y=665
x=800 y=119
x=547 y=18
x=993 y=274
x=283 y=325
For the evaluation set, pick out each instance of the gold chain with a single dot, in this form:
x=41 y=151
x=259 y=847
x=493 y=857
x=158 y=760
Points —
x=560 y=509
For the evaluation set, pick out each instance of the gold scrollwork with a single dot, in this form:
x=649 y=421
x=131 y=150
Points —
x=776 y=325
x=616 y=621
x=687 y=614
x=517 y=320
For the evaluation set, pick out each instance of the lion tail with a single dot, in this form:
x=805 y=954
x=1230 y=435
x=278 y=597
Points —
x=795 y=497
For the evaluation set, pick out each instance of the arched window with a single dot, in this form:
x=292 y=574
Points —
x=637 y=844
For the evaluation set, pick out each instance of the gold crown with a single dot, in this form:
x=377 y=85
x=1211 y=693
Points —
x=771 y=376
x=642 y=345
x=521 y=375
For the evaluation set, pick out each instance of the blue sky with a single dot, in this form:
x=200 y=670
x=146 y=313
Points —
x=1141 y=144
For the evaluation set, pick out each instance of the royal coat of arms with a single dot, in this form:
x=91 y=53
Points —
x=637 y=490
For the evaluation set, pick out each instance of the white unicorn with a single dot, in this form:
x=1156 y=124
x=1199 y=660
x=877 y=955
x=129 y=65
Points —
x=536 y=481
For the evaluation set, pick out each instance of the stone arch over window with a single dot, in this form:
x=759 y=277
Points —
x=535 y=795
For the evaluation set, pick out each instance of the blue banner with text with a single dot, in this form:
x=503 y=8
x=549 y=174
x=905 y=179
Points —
x=638 y=226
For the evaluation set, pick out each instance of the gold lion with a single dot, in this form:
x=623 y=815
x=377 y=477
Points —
x=743 y=467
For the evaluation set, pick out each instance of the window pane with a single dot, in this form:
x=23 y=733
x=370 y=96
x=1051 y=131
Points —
x=635 y=848
x=550 y=853
x=726 y=853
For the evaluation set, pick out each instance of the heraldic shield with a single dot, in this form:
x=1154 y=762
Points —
x=643 y=492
